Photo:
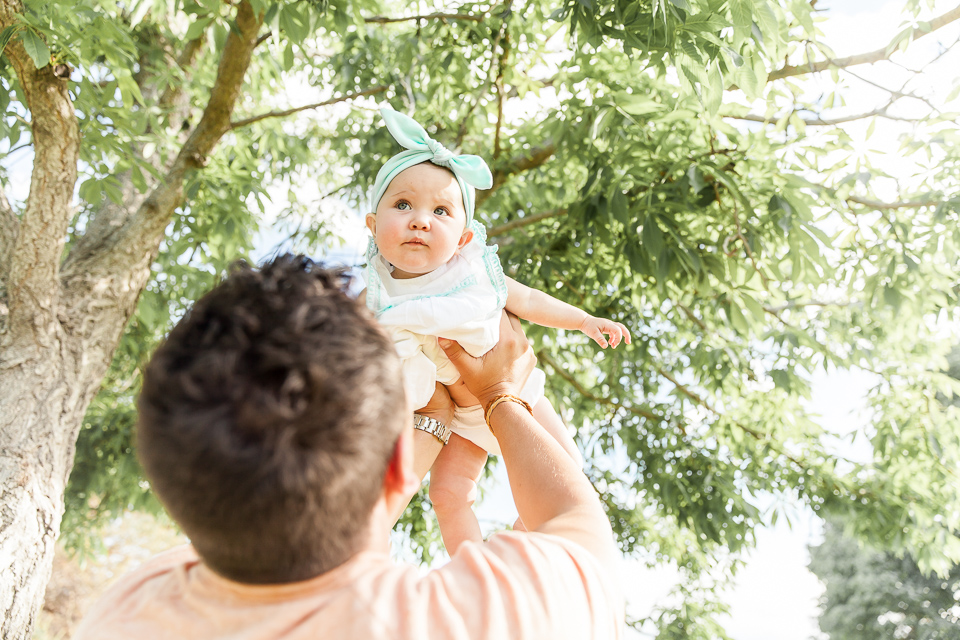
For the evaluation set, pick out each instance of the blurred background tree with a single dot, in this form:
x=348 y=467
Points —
x=875 y=594
x=683 y=166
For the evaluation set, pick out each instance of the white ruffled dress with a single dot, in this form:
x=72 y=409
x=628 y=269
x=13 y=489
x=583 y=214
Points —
x=461 y=301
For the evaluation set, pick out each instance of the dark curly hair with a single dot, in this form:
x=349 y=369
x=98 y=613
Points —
x=267 y=420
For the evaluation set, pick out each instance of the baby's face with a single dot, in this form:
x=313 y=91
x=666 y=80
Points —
x=420 y=223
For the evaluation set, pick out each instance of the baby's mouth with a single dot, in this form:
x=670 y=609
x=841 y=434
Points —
x=416 y=241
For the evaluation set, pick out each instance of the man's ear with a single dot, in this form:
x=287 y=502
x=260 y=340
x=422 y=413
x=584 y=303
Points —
x=371 y=222
x=400 y=478
x=465 y=239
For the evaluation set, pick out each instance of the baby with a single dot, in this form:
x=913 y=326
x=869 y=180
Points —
x=430 y=275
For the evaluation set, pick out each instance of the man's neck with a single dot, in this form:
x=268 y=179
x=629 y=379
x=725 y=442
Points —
x=378 y=532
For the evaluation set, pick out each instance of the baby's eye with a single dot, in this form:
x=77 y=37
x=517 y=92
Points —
x=440 y=211
x=403 y=205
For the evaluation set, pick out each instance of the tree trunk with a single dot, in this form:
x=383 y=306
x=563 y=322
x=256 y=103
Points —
x=41 y=408
x=65 y=319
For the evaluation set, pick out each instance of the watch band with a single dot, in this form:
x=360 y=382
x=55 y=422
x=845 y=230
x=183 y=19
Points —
x=432 y=426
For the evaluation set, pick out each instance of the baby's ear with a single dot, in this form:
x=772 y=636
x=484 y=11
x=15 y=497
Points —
x=371 y=222
x=465 y=239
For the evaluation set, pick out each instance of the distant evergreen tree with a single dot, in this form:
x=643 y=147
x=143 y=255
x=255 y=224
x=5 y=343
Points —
x=877 y=596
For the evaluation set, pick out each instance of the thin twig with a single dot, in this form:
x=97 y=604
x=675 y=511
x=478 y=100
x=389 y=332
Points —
x=742 y=238
x=808 y=303
x=513 y=225
x=879 y=205
x=462 y=131
x=543 y=356
x=287 y=112
x=530 y=159
x=498 y=83
x=825 y=122
x=692 y=317
x=758 y=435
x=868 y=57
x=433 y=16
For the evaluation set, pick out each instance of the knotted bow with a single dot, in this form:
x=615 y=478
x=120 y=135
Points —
x=471 y=171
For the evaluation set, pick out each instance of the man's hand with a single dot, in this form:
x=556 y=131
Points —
x=440 y=407
x=503 y=369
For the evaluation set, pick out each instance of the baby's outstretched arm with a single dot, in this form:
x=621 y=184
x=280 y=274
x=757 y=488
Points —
x=545 y=310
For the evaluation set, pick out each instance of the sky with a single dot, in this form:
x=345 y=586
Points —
x=774 y=596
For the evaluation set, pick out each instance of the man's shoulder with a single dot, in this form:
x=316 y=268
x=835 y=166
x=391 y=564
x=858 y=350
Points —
x=539 y=552
x=534 y=581
x=126 y=593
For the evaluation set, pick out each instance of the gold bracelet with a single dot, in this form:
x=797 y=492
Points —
x=504 y=397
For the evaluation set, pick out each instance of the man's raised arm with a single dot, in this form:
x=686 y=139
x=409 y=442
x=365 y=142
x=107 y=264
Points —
x=551 y=492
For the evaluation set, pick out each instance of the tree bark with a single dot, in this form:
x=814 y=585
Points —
x=65 y=321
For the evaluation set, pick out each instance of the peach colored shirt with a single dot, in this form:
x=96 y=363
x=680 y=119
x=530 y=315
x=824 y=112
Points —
x=515 y=585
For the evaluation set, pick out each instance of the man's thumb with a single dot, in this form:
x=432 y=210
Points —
x=451 y=347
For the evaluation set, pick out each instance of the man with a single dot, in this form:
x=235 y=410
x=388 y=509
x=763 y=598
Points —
x=274 y=428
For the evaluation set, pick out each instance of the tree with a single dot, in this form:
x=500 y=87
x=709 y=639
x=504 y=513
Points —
x=654 y=161
x=875 y=594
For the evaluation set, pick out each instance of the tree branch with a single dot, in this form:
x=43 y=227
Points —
x=543 y=356
x=808 y=303
x=498 y=83
x=34 y=265
x=868 y=57
x=432 y=16
x=462 y=130
x=116 y=264
x=824 y=122
x=889 y=206
x=184 y=61
x=519 y=223
x=530 y=160
x=879 y=205
x=282 y=114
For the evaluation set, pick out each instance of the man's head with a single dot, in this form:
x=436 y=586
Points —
x=268 y=419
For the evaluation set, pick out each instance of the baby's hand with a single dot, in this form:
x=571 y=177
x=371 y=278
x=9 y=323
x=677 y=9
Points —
x=597 y=327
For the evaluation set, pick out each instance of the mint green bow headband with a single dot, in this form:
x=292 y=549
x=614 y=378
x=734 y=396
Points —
x=471 y=171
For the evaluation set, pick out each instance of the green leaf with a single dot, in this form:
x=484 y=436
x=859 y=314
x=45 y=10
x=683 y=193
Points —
x=735 y=57
x=697 y=183
x=652 y=237
x=619 y=207
x=769 y=26
x=196 y=29
x=741 y=12
x=681 y=4
x=36 y=48
x=6 y=34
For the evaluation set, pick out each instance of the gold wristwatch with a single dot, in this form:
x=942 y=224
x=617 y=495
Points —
x=432 y=426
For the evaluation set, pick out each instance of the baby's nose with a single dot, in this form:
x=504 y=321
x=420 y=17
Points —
x=420 y=221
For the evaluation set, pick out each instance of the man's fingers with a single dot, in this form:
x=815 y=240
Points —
x=514 y=323
x=452 y=348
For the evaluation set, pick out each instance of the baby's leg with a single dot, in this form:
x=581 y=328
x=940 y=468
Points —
x=453 y=490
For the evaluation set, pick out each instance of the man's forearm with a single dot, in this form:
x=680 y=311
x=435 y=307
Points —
x=547 y=484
